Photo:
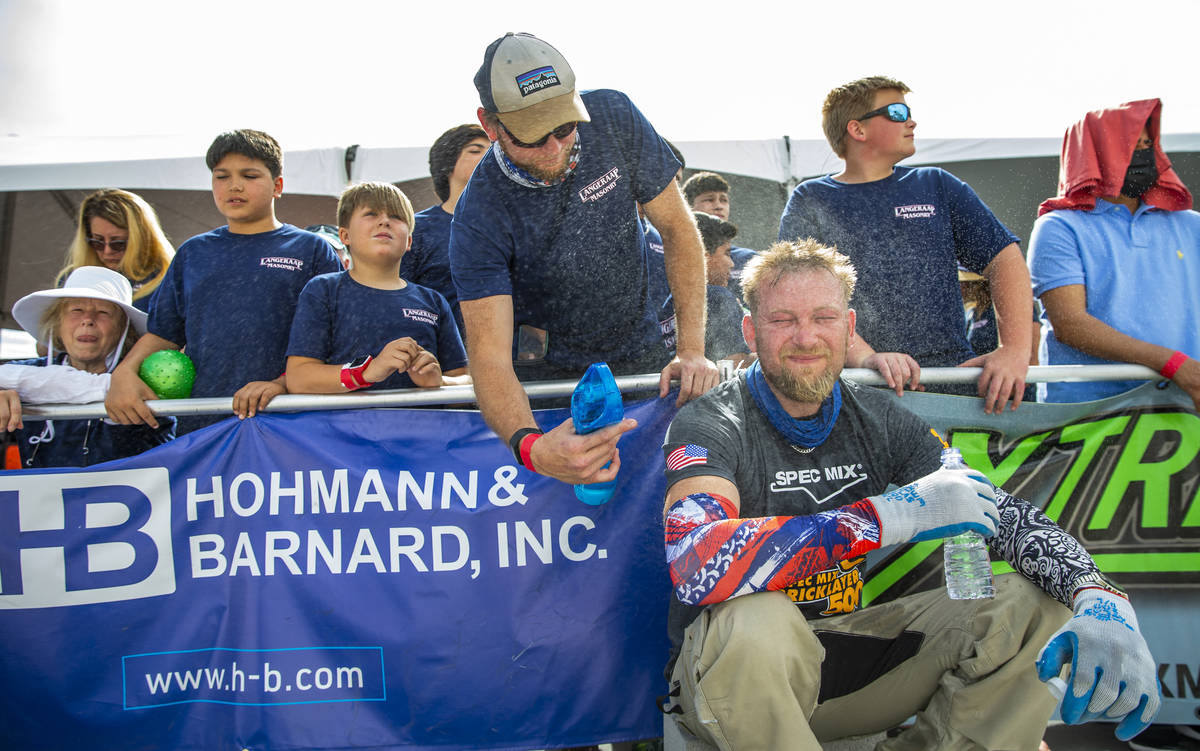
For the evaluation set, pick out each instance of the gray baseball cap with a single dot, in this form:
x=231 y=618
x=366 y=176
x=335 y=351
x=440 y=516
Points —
x=529 y=85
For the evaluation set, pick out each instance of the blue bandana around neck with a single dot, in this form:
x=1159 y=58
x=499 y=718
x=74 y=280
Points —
x=808 y=433
x=522 y=177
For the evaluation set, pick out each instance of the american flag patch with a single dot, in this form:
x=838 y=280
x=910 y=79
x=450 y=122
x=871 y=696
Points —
x=686 y=456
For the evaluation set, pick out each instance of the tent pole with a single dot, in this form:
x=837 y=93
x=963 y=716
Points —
x=7 y=220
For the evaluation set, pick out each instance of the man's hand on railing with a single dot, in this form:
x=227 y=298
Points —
x=696 y=375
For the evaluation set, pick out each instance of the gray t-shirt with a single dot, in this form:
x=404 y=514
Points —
x=875 y=443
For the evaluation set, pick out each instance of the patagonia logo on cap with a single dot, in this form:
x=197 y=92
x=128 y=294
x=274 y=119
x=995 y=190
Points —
x=536 y=80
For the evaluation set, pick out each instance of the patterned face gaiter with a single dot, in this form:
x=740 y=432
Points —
x=521 y=177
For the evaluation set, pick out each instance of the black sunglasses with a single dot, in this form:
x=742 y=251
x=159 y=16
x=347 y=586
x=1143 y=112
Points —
x=560 y=133
x=897 y=112
x=97 y=244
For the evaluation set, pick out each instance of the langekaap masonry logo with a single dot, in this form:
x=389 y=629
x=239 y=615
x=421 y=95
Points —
x=86 y=537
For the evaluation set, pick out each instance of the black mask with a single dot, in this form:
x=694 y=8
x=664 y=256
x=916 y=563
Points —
x=1141 y=175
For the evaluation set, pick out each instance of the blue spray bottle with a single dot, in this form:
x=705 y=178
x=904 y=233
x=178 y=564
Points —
x=596 y=403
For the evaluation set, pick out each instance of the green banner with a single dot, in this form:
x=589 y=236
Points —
x=1122 y=475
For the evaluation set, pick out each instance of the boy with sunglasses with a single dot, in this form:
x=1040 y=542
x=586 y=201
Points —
x=546 y=236
x=229 y=295
x=907 y=230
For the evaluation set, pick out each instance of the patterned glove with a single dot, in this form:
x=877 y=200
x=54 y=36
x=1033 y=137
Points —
x=945 y=503
x=1112 y=672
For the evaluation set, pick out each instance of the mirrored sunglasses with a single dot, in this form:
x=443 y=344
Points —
x=897 y=112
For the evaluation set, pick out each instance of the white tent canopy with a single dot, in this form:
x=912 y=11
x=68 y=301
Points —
x=163 y=162
x=43 y=180
x=177 y=162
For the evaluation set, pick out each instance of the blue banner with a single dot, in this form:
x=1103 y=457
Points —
x=365 y=579
x=391 y=579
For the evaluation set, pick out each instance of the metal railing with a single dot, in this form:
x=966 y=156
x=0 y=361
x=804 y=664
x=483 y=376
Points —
x=452 y=395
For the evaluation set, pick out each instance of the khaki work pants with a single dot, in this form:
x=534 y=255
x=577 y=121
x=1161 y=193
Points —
x=750 y=672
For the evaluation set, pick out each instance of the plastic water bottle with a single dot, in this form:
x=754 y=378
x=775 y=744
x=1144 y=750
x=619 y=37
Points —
x=596 y=403
x=968 y=569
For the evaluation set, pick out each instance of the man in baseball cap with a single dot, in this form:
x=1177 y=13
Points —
x=546 y=240
x=530 y=102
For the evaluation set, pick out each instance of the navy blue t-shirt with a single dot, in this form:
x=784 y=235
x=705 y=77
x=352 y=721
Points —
x=656 y=263
x=741 y=256
x=338 y=320
x=427 y=262
x=723 y=333
x=572 y=256
x=906 y=235
x=228 y=299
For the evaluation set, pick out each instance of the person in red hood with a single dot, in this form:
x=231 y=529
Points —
x=1120 y=233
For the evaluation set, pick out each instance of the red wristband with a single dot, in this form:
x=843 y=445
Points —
x=1172 y=367
x=527 y=450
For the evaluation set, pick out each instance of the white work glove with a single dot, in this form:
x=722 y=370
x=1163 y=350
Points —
x=945 y=503
x=1113 y=675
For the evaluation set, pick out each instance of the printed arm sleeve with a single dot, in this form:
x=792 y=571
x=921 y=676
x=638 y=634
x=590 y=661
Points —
x=714 y=556
x=1043 y=552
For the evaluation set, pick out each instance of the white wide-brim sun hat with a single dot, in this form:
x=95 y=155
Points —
x=95 y=282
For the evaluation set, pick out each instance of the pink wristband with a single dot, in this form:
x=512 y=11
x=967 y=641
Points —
x=1172 y=367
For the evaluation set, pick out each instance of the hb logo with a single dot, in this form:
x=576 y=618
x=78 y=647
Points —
x=86 y=537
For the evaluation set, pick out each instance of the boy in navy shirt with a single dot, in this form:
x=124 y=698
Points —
x=907 y=230
x=368 y=327
x=723 y=338
x=229 y=295
x=710 y=193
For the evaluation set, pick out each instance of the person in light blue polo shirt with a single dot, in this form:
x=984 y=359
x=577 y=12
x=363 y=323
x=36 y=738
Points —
x=1115 y=257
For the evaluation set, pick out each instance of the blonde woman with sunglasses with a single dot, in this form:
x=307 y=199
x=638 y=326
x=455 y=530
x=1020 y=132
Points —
x=120 y=231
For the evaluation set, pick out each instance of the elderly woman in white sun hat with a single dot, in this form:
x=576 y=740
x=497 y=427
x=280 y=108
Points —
x=86 y=326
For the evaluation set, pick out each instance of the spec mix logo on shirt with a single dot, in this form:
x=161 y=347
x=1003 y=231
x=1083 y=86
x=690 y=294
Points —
x=536 y=80
x=839 y=476
x=106 y=539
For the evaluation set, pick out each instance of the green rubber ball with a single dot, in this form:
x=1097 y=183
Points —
x=169 y=373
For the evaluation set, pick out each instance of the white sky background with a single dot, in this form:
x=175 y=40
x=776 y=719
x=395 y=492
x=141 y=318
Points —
x=399 y=73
